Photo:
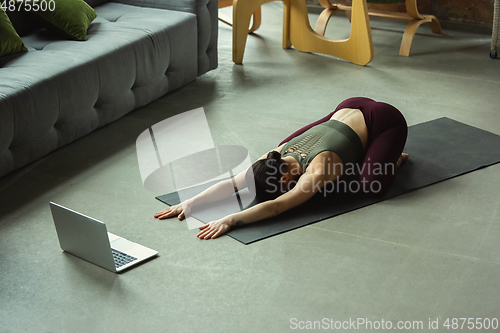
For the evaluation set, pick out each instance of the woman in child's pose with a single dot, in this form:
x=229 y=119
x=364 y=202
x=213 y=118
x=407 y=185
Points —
x=360 y=132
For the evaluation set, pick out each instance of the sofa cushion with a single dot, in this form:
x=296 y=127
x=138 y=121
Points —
x=10 y=42
x=132 y=56
x=70 y=18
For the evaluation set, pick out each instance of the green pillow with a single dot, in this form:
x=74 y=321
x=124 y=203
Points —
x=10 y=42
x=69 y=18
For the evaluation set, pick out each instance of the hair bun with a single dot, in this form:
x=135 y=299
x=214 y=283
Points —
x=274 y=155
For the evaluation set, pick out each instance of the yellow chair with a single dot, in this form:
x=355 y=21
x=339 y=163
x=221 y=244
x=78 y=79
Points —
x=358 y=48
x=257 y=16
x=412 y=14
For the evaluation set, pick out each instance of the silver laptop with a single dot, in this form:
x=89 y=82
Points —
x=87 y=238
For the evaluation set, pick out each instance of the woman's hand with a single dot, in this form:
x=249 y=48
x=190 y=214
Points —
x=180 y=210
x=215 y=228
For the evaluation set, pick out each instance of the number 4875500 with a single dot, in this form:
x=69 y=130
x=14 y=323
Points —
x=28 y=5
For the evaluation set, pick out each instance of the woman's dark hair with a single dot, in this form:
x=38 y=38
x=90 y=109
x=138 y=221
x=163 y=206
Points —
x=266 y=176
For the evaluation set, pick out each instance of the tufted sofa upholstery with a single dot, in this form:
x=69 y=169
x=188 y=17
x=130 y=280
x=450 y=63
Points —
x=62 y=90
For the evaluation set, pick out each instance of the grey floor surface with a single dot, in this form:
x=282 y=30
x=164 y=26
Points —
x=429 y=255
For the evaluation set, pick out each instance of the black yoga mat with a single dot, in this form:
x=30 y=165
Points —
x=439 y=149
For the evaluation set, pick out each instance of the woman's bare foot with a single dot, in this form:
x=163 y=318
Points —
x=403 y=157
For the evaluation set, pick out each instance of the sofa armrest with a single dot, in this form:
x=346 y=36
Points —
x=206 y=12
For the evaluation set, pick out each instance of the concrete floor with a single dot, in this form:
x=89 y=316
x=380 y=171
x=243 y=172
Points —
x=430 y=254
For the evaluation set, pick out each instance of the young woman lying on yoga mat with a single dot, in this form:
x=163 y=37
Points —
x=361 y=135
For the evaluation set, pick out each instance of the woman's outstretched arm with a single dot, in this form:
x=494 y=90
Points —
x=216 y=192
x=305 y=188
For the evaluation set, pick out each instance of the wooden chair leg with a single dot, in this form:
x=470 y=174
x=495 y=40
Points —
x=409 y=34
x=358 y=48
x=257 y=19
x=412 y=11
x=324 y=17
x=287 y=42
x=257 y=16
x=348 y=14
x=435 y=26
x=242 y=12
x=411 y=28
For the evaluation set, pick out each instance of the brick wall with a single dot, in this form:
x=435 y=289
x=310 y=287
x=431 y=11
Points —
x=478 y=12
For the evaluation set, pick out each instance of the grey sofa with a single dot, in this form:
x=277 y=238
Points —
x=61 y=90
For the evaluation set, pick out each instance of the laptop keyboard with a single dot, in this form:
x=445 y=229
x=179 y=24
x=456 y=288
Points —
x=121 y=258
